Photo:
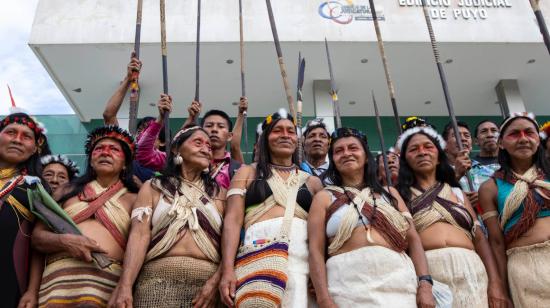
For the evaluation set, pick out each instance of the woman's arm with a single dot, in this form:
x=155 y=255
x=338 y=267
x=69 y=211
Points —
x=498 y=296
x=30 y=297
x=317 y=247
x=235 y=145
x=136 y=249
x=232 y=225
x=114 y=103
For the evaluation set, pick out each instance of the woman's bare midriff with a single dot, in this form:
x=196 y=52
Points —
x=444 y=235
x=96 y=231
x=186 y=247
x=539 y=233
x=359 y=240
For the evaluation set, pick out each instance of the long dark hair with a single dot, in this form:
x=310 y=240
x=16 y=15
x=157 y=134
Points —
x=370 y=169
x=406 y=179
x=539 y=159
x=171 y=179
x=126 y=176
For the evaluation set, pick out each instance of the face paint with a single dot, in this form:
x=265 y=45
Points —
x=525 y=133
x=107 y=149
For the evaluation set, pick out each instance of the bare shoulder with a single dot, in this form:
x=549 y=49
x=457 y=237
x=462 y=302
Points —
x=488 y=187
x=128 y=198
x=314 y=184
x=322 y=199
x=70 y=201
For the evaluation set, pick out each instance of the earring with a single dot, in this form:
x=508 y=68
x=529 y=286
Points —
x=178 y=160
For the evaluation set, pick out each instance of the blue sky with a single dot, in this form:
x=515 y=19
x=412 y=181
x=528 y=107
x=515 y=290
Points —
x=32 y=87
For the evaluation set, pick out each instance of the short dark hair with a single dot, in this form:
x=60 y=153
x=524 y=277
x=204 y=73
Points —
x=216 y=112
x=476 y=130
x=449 y=126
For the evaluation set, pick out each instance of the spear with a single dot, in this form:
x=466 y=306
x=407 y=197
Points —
x=541 y=22
x=282 y=66
x=381 y=137
x=389 y=80
x=301 y=72
x=445 y=86
x=164 y=72
x=243 y=86
x=333 y=92
x=134 y=85
x=198 y=51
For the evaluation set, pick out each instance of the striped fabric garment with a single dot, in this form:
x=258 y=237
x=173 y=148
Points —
x=68 y=282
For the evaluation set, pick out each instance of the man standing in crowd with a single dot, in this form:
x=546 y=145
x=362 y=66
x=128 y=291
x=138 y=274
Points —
x=486 y=136
x=316 y=144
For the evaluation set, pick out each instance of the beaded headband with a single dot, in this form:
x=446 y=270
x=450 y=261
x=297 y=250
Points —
x=183 y=131
x=24 y=119
x=281 y=114
x=412 y=122
x=524 y=115
x=113 y=132
x=421 y=129
x=71 y=166
x=344 y=132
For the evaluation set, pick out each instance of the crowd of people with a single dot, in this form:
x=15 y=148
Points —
x=195 y=226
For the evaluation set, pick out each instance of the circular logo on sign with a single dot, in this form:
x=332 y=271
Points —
x=334 y=11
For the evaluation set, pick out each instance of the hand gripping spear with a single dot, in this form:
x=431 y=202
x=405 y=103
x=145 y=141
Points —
x=541 y=22
x=301 y=72
x=389 y=81
x=382 y=144
x=243 y=87
x=164 y=72
x=445 y=86
x=134 y=85
x=288 y=93
x=333 y=91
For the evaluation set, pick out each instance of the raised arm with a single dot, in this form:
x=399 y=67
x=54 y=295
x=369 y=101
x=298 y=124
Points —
x=194 y=110
x=136 y=249
x=114 y=103
x=235 y=145
x=232 y=225
x=146 y=154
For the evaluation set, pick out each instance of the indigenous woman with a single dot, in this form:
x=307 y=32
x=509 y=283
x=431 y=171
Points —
x=176 y=230
x=20 y=140
x=365 y=230
x=444 y=220
x=516 y=207
x=58 y=170
x=257 y=200
x=99 y=203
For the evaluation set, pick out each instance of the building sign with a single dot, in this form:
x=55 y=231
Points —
x=346 y=11
x=461 y=9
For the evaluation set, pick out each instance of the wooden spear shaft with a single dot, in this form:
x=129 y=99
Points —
x=134 y=85
x=389 y=80
x=243 y=85
x=542 y=24
x=198 y=52
x=382 y=144
x=282 y=66
x=165 y=72
x=444 y=85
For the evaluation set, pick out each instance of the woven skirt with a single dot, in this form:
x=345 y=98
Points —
x=296 y=291
x=68 y=282
x=463 y=271
x=372 y=276
x=172 y=282
x=529 y=275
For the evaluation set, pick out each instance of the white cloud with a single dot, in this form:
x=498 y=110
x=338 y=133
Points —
x=32 y=87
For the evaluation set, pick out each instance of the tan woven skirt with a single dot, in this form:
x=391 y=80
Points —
x=529 y=275
x=172 y=282
x=463 y=271
x=372 y=276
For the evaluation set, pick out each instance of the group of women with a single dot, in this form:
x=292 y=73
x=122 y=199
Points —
x=277 y=237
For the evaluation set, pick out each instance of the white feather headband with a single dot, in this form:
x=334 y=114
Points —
x=526 y=115
x=424 y=129
x=63 y=160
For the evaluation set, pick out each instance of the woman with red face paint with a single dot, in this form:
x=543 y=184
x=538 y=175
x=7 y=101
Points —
x=21 y=138
x=457 y=251
x=268 y=199
x=359 y=234
x=516 y=203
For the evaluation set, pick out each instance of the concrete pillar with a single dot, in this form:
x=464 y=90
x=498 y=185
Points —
x=322 y=103
x=509 y=96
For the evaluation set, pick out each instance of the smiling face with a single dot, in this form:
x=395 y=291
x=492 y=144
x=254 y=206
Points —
x=282 y=140
x=218 y=130
x=520 y=139
x=56 y=175
x=17 y=144
x=196 y=151
x=316 y=143
x=108 y=157
x=349 y=156
x=421 y=154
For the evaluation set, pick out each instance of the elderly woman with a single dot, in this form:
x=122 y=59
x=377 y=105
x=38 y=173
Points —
x=516 y=206
x=366 y=231
x=173 y=248
x=271 y=200
x=20 y=141
x=58 y=170
x=446 y=222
